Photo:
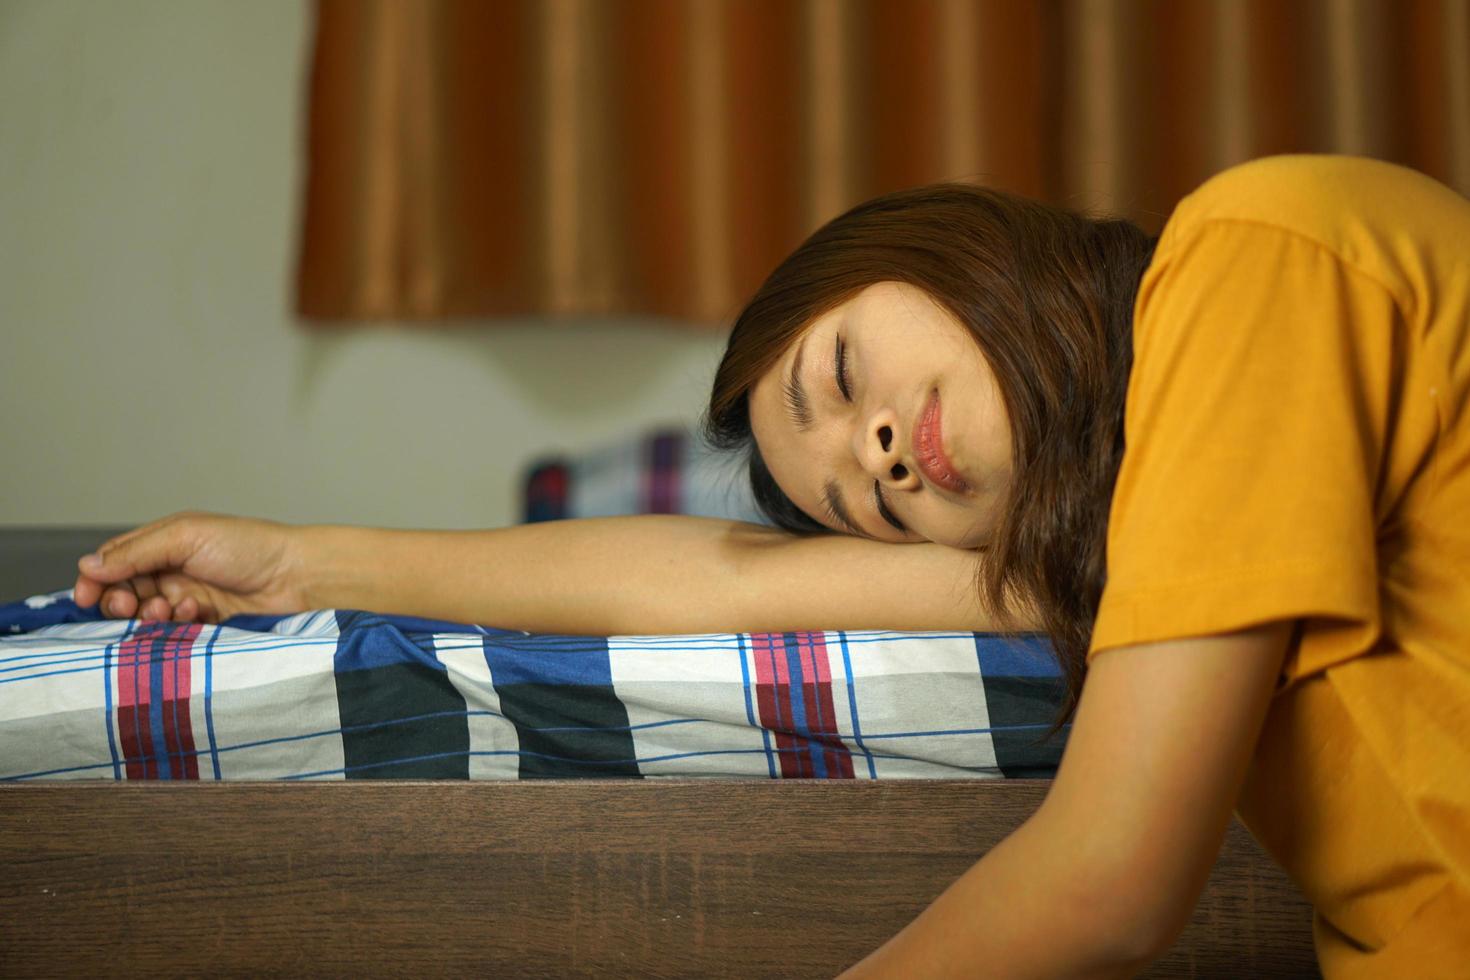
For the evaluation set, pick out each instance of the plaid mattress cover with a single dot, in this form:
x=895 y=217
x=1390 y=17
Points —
x=346 y=694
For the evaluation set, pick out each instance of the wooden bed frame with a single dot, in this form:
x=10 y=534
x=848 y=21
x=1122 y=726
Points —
x=579 y=878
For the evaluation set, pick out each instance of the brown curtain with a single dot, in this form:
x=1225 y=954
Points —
x=471 y=158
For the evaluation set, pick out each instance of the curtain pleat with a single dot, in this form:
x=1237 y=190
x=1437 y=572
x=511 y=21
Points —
x=572 y=157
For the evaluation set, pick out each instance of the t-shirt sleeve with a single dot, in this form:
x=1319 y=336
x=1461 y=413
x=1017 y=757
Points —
x=1258 y=409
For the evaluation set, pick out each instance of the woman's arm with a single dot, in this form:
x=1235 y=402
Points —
x=653 y=574
x=1105 y=874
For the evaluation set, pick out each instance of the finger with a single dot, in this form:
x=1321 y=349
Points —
x=192 y=600
x=168 y=545
x=155 y=609
x=152 y=605
x=146 y=588
x=86 y=592
x=187 y=610
x=118 y=539
x=119 y=602
x=143 y=586
x=148 y=528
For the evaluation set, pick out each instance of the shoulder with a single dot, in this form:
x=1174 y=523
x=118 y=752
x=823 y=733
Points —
x=1305 y=190
x=1355 y=207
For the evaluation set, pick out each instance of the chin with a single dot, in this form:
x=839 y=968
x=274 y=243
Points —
x=973 y=541
x=962 y=542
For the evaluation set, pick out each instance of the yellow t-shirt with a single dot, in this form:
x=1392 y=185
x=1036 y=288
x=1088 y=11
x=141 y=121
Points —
x=1298 y=448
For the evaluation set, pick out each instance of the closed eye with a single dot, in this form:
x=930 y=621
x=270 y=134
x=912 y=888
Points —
x=841 y=361
x=883 y=510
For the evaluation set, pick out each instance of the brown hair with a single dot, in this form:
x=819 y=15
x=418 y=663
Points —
x=1048 y=295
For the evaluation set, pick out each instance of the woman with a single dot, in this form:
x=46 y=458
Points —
x=1227 y=471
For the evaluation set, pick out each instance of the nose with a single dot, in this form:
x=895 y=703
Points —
x=876 y=446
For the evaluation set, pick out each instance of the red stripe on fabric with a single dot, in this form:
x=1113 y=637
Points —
x=773 y=699
x=127 y=687
x=780 y=668
x=173 y=644
x=127 y=729
x=178 y=731
x=767 y=707
x=776 y=707
x=184 y=693
x=796 y=759
x=133 y=702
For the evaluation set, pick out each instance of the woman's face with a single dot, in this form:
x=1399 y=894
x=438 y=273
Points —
x=884 y=420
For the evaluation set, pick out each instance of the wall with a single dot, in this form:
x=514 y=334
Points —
x=150 y=164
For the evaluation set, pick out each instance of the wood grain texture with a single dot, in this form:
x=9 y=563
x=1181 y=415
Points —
x=648 y=879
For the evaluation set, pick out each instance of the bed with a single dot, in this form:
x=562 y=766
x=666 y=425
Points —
x=557 y=853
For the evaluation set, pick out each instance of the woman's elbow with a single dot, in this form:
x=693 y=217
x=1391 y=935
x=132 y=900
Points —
x=1133 y=920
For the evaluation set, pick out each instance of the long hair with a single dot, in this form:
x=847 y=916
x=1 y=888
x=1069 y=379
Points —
x=1048 y=295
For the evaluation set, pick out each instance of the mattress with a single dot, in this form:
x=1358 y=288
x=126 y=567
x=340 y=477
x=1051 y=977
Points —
x=349 y=694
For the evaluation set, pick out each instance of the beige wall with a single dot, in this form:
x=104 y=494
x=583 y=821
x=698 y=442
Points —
x=149 y=169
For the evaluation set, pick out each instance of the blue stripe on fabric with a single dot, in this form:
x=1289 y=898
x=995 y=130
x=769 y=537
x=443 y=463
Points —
x=799 y=681
x=89 y=644
x=89 y=652
x=155 y=706
x=960 y=731
x=857 y=727
x=209 y=699
x=821 y=746
x=179 y=752
x=767 y=751
x=244 y=648
x=107 y=711
x=539 y=690
x=800 y=708
x=580 y=662
x=81 y=654
x=253 y=623
x=137 y=732
x=41 y=659
x=264 y=624
x=336 y=732
x=1026 y=655
x=983 y=642
x=368 y=640
x=794 y=684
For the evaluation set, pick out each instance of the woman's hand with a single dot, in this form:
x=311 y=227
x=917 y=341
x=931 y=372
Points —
x=192 y=566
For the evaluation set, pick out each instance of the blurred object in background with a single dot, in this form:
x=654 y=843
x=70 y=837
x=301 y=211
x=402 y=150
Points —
x=668 y=470
x=661 y=156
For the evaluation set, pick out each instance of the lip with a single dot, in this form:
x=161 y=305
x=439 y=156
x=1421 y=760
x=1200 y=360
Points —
x=929 y=455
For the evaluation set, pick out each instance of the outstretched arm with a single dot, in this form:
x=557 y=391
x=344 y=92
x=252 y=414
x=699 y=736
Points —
x=652 y=574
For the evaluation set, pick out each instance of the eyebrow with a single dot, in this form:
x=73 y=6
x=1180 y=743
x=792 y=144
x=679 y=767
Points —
x=837 y=510
x=797 y=405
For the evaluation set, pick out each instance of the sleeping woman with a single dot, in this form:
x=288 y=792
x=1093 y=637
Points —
x=1227 y=471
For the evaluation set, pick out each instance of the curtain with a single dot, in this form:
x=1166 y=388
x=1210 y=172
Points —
x=471 y=159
